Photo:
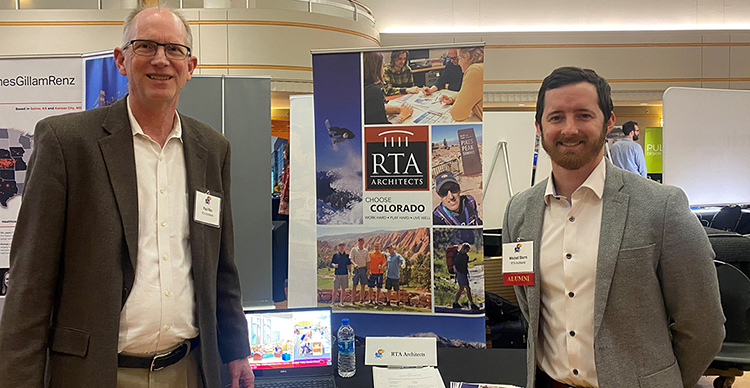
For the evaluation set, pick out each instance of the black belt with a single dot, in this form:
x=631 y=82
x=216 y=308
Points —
x=158 y=361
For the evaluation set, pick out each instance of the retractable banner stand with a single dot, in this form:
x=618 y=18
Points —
x=30 y=90
x=104 y=83
x=398 y=164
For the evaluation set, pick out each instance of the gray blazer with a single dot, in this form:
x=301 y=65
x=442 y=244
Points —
x=73 y=256
x=657 y=315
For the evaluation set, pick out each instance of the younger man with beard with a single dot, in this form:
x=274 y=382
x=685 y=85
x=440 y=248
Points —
x=626 y=291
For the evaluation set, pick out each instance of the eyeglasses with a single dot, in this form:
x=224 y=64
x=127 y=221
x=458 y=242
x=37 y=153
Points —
x=148 y=48
x=453 y=58
x=446 y=188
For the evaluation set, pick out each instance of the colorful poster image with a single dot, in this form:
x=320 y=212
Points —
x=373 y=269
x=458 y=267
x=338 y=138
x=424 y=86
x=457 y=174
x=104 y=83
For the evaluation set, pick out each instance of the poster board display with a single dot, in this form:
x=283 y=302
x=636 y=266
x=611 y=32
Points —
x=408 y=191
x=31 y=88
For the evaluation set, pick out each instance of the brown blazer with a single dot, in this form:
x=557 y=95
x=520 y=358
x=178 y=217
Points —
x=74 y=253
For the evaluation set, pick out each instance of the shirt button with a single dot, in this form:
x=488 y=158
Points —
x=572 y=333
x=575 y=372
x=161 y=191
x=161 y=158
x=164 y=223
x=568 y=256
x=167 y=328
x=165 y=258
x=167 y=293
x=571 y=219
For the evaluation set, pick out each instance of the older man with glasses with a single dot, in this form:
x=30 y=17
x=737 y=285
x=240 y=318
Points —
x=454 y=208
x=450 y=77
x=123 y=258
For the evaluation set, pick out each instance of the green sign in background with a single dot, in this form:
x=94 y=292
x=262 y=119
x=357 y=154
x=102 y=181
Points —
x=653 y=150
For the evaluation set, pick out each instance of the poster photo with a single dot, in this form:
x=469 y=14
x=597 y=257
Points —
x=458 y=263
x=457 y=173
x=30 y=90
x=398 y=161
x=104 y=83
x=393 y=273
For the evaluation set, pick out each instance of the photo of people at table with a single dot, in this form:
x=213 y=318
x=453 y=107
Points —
x=423 y=86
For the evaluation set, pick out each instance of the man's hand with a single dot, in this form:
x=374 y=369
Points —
x=427 y=91
x=413 y=90
x=242 y=374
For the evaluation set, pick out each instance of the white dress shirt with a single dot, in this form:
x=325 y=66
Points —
x=160 y=310
x=568 y=256
x=360 y=257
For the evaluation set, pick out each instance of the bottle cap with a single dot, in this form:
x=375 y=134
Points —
x=344 y=321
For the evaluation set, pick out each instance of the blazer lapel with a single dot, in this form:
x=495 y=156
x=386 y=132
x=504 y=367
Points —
x=195 y=163
x=119 y=157
x=532 y=231
x=614 y=217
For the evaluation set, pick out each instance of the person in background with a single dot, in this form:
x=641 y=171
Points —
x=451 y=76
x=454 y=208
x=393 y=274
x=376 y=110
x=375 y=282
x=461 y=268
x=626 y=153
x=114 y=284
x=359 y=258
x=341 y=264
x=397 y=76
x=469 y=98
x=625 y=293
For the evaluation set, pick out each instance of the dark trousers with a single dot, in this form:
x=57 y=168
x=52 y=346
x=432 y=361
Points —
x=544 y=381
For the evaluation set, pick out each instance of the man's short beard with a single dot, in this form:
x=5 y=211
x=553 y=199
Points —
x=573 y=160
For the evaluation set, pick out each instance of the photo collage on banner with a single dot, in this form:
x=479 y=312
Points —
x=30 y=90
x=398 y=143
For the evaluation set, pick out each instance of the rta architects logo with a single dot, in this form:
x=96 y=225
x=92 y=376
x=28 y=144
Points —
x=208 y=200
x=517 y=248
x=397 y=158
x=380 y=353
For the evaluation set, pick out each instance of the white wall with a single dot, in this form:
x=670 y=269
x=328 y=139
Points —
x=487 y=15
x=518 y=131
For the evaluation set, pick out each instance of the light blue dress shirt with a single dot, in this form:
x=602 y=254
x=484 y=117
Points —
x=628 y=155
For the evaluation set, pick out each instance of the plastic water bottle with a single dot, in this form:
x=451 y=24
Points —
x=347 y=361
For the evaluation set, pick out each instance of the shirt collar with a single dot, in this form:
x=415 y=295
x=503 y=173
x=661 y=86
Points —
x=137 y=130
x=594 y=182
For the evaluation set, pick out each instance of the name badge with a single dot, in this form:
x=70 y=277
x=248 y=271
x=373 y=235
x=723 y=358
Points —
x=518 y=263
x=401 y=351
x=207 y=209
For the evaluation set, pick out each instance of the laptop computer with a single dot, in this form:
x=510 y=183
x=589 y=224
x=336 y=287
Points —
x=291 y=347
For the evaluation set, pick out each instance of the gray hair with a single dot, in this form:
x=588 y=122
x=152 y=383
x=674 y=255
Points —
x=476 y=54
x=127 y=33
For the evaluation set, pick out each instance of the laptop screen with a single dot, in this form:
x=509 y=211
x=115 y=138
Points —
x=284 y=339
